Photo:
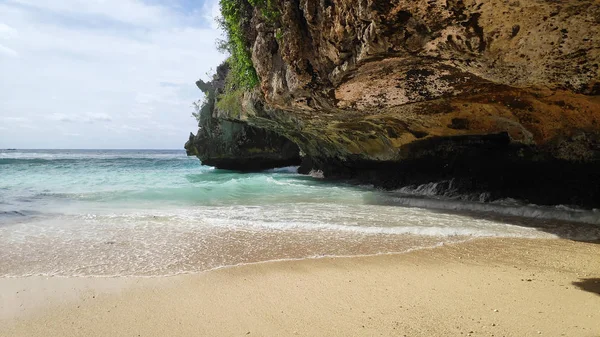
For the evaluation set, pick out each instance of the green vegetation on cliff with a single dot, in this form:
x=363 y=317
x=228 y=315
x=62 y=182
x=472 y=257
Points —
x=268 y=9
x=223 y=92
x=231 y=103
x=236 y=17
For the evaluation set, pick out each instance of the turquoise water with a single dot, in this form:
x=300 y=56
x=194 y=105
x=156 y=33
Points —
x=154 y=213
x=145 y=179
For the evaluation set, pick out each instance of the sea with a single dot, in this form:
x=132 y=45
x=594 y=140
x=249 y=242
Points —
x=148 y=213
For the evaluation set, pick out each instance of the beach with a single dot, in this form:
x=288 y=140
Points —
x=483 y=287
x=326 y=168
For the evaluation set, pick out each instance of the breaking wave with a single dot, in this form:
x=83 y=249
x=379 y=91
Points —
x=442 y=196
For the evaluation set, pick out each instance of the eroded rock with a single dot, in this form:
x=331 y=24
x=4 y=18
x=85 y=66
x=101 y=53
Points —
x=233 y=144
x=501 y=96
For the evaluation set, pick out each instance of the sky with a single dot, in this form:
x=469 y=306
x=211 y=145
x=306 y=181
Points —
x=104 y=74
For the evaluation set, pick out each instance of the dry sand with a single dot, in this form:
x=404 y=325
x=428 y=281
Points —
x=490 y=287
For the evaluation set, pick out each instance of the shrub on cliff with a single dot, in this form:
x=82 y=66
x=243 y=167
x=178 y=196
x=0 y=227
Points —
x=235 y=22
x=230 y=103
x=222 y=93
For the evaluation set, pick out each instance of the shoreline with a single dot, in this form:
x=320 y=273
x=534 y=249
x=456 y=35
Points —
x=441 y=285
x=249 y=264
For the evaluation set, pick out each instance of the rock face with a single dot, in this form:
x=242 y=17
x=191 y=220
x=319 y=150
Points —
x=498 y=96
x=235 y=145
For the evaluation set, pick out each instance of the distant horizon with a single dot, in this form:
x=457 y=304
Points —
x=92 y=149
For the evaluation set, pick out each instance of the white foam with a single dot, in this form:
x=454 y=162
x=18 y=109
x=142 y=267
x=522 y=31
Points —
x=442 y=195
x=235 y=265
x=317 y=174
x=288 y=169
x=167 y=241
x=359 y=219
x=434 y=231
x=429 y=189
x=513 y=209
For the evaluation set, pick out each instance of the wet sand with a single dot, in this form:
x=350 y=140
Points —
x=486 y=287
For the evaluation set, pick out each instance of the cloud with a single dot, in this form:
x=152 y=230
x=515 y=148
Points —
x=130 y=128
x=13 y=124
x=98 y=117
x=15 y=119
x=7 y=32
x=213 y=12
x=81 y=65
x=61 y=117
x=8 y=52
x=80 y=117
x=168 y=84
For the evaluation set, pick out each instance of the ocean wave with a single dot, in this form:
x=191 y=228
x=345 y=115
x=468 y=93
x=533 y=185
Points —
x=18 y=216
x=442 y=190
x=433 y=231
x=357 y=219
x=209 y=189
x=288 y=169
x=559 y=212
x=146 y=273
x=12 y=213
x=166 y=240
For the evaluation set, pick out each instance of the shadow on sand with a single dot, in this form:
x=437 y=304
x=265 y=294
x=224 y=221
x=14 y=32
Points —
x=591 y=285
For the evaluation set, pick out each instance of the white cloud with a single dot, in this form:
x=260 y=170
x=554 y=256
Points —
x=8 y=52
x=79 y=117
x=130 y=128
x=14 y=119
x=60 y=117
x=212 y=13
x=82 y=65
x=98 y=117
x=7 y=32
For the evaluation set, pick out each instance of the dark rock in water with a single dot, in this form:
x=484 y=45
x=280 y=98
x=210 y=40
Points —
x=306 y=166
x=232 y=144
x=238 y=146
x=480 y=168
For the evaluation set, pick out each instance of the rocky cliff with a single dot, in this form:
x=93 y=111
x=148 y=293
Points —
x=497 y=96
x=228 y=143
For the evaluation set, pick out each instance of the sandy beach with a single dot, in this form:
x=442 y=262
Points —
x=486 y=287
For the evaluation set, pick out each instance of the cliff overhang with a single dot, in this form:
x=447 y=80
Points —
x=227 y=143
x=501 y=97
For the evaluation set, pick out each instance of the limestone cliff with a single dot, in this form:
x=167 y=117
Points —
x=232 y=144
x=501 y=96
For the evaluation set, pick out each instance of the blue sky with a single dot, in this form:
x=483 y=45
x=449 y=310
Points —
x=103 y=73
